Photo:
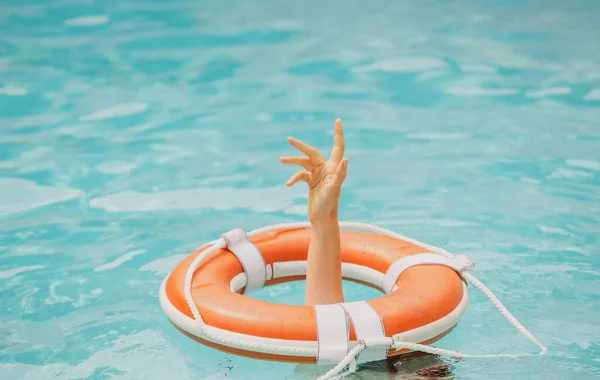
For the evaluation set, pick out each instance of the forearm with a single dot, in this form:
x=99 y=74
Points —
x=324 y=272
x=324 y=179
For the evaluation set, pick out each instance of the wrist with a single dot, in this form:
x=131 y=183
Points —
x=324 y=221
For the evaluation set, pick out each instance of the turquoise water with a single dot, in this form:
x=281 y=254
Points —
x=133 y=131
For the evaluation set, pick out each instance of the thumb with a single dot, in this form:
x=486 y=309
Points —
x=340 y=172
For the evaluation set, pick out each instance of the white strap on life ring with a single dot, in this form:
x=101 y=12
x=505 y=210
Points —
x=369 y=329
x=459 y=263
x=249 y=256
x=332 y=333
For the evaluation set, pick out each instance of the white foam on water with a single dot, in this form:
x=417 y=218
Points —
x=13 y=91
x=529 y=180
x=55 y=298
x=269 y=199
x=116 y=167
x=479 y=91
x=301 y=210
x=163 y=265
x=585 y=164
x=437 y=136
x=17 y=195
x=594 y=94
x=139 y=355
x=91 y=20
x=404 y=65
x=120 y=110
x=477 y=68
x=424 y=222
x=548 y=92
x=568 y=173
x=264 y=117
x=119 y=260
x=15 y=271
x=553 y=230
x=426 y=75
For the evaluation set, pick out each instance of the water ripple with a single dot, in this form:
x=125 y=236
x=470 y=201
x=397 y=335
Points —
x=148 y=126
x=18 y=195
x=258 y=200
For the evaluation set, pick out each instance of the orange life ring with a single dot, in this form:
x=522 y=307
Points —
x=427 y=303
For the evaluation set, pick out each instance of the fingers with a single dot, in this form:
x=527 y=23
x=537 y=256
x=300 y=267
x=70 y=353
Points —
x=300 y=161
x=315 y=157
x=300 y=176
x=337 y=153
x=340 y=172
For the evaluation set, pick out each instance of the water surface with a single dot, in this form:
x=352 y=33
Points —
x=133 y=131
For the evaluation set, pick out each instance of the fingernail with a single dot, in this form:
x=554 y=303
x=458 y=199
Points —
x=345 y=164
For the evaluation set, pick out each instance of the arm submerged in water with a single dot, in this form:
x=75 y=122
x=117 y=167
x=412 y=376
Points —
x=324 y=179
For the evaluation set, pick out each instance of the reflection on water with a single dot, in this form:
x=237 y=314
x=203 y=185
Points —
x=415 y=366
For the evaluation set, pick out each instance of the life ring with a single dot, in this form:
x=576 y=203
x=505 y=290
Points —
x=425 y=299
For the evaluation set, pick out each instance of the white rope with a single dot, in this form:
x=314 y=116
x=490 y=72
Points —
x=506 y=314
x=350 y=359
x=219 y=244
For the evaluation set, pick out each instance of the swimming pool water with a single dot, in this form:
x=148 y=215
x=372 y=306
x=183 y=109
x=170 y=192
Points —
x=133 y=131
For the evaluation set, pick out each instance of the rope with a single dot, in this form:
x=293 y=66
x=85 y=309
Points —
x=220 y=244
x=506 y=314
x=255 y=346
x=350 y=359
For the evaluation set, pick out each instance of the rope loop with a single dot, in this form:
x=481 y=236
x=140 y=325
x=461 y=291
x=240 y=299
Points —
x=349 y=360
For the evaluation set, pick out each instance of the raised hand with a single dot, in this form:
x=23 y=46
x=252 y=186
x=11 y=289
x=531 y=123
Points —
x=324 y=178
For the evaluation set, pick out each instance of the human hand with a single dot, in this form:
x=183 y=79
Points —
x=324 y=178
